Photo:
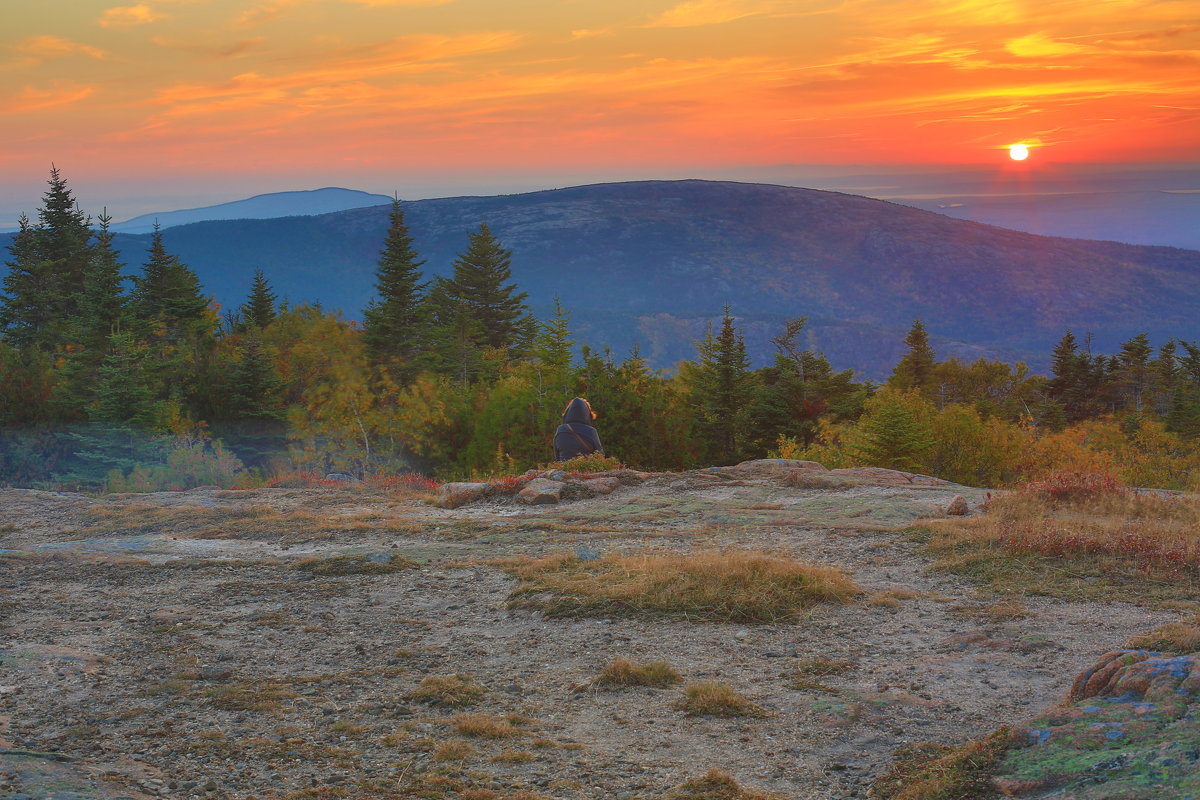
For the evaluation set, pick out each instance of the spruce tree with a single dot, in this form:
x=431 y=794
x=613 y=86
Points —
x=1133 y=369
x=481 y=281
x=553 y=343
x=166 y=297
x=259 y=309
x=394 y=324
x=894 y=432
x=254 y=427
x=915 y=369
x=723 y=389
x=47 y=268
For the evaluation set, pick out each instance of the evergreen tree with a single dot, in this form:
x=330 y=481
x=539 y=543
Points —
x=254 y=427
x=49 y=260
x=895 y=433
x=481 y=282
x=454 y=335
x=259 y=309
x=1133 y=370
x=553 y=343
x=394 y=325
x=166 y=297
x=102 y=311
x=1068 y=388
x=915 y=369
x=722 y=389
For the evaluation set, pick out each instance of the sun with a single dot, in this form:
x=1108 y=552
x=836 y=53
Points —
x=1018 y=152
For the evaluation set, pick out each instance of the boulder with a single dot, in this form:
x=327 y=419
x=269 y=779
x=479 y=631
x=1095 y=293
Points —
x=600 y=485
x=540 y=491
x=770 y=467
x=453 y=495
x=958 y=507
x=341 y=477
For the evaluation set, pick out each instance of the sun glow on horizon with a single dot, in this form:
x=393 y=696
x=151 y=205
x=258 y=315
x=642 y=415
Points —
x=1018 y=152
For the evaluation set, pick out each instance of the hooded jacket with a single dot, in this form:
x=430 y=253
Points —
x=577 y=435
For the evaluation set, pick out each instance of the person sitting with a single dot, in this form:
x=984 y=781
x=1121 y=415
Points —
x=577 y=435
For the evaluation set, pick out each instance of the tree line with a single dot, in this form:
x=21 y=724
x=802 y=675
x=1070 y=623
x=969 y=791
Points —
x=140 y=382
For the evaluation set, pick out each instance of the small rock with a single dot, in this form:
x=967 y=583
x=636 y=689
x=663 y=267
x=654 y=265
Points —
x=958 y=507
x=540 y=491
x=341 y=477
x=380 y=558
x=453 y=495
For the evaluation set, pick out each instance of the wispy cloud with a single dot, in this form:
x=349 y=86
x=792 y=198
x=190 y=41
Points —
x=127 y=16
x=42 y=48
x=31 y=98
x=210 y=49
x=1040 y=45
x=693 y=13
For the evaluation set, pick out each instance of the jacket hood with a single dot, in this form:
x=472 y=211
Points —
x=578 y=412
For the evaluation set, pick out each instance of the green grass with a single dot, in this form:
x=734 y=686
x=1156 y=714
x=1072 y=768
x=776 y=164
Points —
x=622 y=673
x=351 y=565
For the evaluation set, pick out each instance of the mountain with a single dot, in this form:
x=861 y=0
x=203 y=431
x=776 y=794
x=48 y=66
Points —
x=650 y=263
x=263 y=206
x=1143 y=217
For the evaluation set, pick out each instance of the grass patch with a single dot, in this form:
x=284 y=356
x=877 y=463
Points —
x=351 y=565
x=710 y=699
x=822 y=667
x=263 y=695
x=450 y=691
x=1173 y=637
x=730 y=585
x=938 y=772
x=716 y=785
x=621 y=673
x=483 y=726
x=514 y=757
x=1079 y=539
x=453 y=750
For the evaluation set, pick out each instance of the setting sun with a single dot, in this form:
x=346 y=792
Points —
x=1018 y=152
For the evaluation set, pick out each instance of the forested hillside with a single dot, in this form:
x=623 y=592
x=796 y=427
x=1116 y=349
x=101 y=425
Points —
x=121 y=375
x=652 y=263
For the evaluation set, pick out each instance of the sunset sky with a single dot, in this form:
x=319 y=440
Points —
x=157 y=102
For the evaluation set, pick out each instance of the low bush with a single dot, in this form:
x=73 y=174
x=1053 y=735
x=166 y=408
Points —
x=938 y=772
x=351 y=565
x=1173 y=637
x=716 y=785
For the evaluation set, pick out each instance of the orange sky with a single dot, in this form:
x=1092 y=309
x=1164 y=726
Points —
x=172 y=88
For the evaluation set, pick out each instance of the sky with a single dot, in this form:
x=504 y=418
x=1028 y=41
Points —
x=175 y=103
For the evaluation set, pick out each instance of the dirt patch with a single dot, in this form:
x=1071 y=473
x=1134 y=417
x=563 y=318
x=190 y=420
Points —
x=216 y=669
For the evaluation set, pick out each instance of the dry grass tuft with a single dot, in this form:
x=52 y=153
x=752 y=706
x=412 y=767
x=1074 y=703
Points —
x=451 y=691
x=710 y=699
x=716 y=785
x=514 y=757
x=261 y=695
x=351 y=565
x=622 y=672
x=1143 y=545
x=938 y=772
x=453 y=750
x=1173 y=637
x=805 y=479
x=730 y=585
x=483 y=726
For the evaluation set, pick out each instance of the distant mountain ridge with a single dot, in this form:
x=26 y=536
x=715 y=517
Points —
x=650 y=263
x=264 y=206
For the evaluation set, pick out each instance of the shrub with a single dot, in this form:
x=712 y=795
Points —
x=1075 y=486
x=593 y=462
x=452 y=691
x=711 y=699
x=622 y=672
x=733 y=585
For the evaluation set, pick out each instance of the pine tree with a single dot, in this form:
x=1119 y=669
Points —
x=254 y=427
x=47 y=269
x=722 y=390
x=454 y=335
x=915 y=369
x=394 y=325
x=894 y=432
x=480 y=281
x=259 y=309
x=553 y=343
x=166 y=297
x=1133 y=369
x=102 y=312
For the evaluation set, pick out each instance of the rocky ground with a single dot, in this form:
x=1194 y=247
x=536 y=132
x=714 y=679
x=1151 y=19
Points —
x=166 y=645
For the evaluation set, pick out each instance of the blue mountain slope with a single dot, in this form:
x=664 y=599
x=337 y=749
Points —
x=263 y=206
x=649 y=263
